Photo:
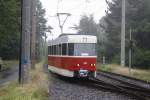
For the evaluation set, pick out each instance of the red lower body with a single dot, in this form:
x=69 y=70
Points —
x=73 y=63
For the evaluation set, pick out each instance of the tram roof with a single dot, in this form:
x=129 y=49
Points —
x=73 y=38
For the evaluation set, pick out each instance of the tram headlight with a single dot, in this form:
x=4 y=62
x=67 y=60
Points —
x=92 y=64
x=78 y=65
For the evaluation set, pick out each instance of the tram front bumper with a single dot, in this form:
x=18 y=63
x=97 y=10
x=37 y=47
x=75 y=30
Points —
x=84 y=73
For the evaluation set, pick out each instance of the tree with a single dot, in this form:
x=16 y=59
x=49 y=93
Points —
x=41 y=30
x=137 y=18
x=9 y=28
x=87 y=26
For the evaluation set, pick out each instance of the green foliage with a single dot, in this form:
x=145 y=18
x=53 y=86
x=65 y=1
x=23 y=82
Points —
x=141 y=58
x=14 y=91
x=116 y=59
x=105 y=68
x=87 y=26
x=40 y=30
x=137 y=18
x=9 y=28
x=8 y=64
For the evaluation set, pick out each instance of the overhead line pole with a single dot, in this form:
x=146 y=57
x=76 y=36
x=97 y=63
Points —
x=25 y=42
x=130 y=52
x=20 y=48
x=33 y=33
x=123 y=35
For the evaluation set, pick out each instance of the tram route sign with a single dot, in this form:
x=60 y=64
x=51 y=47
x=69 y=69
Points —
x=84 y=40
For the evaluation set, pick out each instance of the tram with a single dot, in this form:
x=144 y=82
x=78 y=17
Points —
x=73 y=55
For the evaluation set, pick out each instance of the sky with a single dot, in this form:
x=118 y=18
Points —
x=76 y=8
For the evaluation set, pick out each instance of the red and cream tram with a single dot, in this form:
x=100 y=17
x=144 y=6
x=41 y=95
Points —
x=73 y=55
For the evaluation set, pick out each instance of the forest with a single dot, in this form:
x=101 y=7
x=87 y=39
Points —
x=108 y=31
x=10 y=29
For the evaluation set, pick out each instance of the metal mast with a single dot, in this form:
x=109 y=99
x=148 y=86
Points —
x=33 y=33
x=123 y=35
x=25 y=42
x=130 y=52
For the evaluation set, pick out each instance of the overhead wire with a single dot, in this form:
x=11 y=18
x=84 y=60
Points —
x=58 y=5
x=73 y=8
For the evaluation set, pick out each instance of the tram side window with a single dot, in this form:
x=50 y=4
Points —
x=50 y=50
x=71 y=49
x=54 y=49
x=64 y=49
x=59 y=49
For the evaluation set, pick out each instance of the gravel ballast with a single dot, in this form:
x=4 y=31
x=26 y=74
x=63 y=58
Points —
x=61 y=88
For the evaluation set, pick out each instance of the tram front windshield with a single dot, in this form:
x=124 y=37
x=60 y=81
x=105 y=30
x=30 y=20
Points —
x=82 y=49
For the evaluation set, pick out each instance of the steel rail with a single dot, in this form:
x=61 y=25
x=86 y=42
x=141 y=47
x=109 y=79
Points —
x=129 y=84
x=131 y=78
x=119 y=89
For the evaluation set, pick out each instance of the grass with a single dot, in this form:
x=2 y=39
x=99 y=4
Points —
x=104 y=67
x=37 y=89
x=136 y=73
x=7 y=64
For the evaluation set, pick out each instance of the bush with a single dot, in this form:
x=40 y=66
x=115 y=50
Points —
x=116 y=59
x=141 y=58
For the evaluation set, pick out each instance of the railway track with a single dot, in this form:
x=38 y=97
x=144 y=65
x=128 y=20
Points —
x=99 y=84
x=125 y=79
x=115 y=82
x=133 y=93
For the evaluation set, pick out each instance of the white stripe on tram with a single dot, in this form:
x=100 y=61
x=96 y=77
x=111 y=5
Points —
x=61 y=71
x=73 y=56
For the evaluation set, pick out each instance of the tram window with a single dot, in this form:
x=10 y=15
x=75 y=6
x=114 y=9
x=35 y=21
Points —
x=50 y=50
x=54 y=49
x=71 y=49
x=59 y=49
x=87 y=49
x=64 y=49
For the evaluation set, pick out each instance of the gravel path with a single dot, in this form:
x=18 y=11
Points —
x=61 y=88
